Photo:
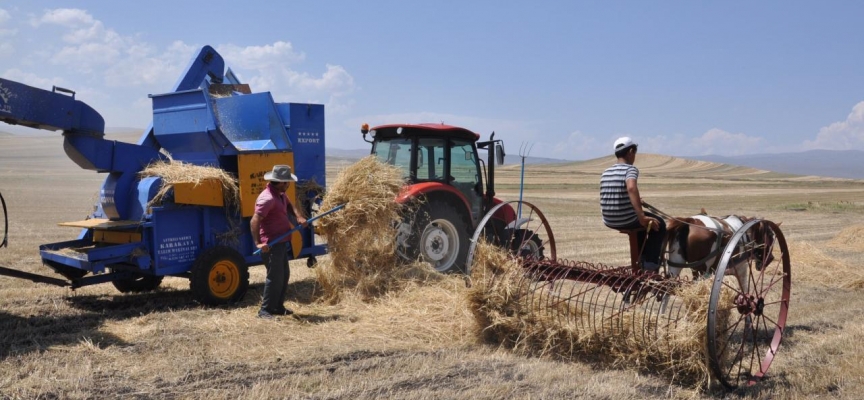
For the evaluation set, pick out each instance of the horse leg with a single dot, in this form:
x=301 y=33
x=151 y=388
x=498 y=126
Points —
x=675 y=256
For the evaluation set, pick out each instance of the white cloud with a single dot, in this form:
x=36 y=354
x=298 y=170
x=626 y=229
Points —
x=271 y=68
x=275 y=56
x=95 y=55
x=67 y=17
x=89 y=44
x=143 y=65
x=842 y=135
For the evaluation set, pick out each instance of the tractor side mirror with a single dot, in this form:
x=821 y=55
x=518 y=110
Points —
x=419 y=159
x=499 y=154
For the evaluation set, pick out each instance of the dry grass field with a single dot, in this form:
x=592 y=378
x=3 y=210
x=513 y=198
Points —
x=419 y=342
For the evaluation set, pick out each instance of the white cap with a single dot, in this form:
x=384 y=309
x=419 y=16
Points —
x=623 y=143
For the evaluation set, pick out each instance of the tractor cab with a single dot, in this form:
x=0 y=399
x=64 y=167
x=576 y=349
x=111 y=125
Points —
x=437 y=157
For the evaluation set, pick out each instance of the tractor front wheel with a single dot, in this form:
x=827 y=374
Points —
x=219 y=276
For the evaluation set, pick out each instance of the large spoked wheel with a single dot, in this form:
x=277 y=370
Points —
x=749 y=303
x=529 y=236
x=438 y=235
x=219 y=276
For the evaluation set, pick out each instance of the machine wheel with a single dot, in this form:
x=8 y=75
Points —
x=137 y=284
x=529 y=237
x=219 y=276
x=438 y=235
x=749 y=304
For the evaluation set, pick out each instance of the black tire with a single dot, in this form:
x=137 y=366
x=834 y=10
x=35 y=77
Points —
x=525 y=243
x=439 y=236
x=219 y=276
x=137 y=284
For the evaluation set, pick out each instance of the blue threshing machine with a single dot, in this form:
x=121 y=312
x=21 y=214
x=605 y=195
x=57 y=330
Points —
x=208 y=119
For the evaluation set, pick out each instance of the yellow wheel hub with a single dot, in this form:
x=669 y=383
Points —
x=224 y=279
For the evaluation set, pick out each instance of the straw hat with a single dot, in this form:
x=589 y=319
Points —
x=280 y=173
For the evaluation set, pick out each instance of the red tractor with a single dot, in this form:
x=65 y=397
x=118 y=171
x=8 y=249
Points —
x=443 y=170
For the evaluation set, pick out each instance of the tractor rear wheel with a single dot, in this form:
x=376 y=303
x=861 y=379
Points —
x=138 y=283
x=439 y=236
x=219 y=276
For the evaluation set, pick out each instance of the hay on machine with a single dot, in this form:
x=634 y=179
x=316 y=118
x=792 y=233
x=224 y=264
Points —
x=173 y=172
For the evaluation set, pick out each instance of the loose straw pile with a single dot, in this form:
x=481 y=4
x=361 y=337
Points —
x=361 y=238
x=509 y=312
x=849 y=239
x=811 y=265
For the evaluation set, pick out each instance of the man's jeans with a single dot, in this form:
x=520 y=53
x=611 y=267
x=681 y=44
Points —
x=276 y=262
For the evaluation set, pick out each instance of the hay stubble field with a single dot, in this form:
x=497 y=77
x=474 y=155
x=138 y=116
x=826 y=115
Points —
x=419 y=342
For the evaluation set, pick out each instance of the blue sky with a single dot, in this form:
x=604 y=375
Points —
x=680 y=77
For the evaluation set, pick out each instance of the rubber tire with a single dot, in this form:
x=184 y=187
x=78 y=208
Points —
x=435 y=211
x=218 y=257
x=534 y=239
x=138 y=284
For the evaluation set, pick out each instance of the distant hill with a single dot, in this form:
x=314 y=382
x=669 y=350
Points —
x=509 y=159
x=831 y=163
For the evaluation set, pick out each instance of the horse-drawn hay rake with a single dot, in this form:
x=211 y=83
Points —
x=729 y=321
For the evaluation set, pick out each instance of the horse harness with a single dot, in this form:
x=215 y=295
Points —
x=721 y=227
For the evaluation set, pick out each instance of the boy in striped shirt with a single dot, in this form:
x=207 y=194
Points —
x=621 y=204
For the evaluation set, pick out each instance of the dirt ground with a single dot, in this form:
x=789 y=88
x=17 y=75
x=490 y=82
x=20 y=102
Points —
x=419 y=343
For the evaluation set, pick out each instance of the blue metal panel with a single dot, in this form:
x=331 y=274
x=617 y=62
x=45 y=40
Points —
x=37 y=108
x=182 y=122
x=206 y=66
x=306 y=131
x=176 y=237
x=247 y=120
x=96 y=259
x=146 y=190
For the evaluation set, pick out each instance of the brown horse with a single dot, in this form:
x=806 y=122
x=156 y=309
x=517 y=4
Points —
x=697 y=243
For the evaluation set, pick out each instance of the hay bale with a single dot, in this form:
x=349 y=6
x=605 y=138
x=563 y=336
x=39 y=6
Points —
x=362 y=237
x=173 y=172
x=532 y=317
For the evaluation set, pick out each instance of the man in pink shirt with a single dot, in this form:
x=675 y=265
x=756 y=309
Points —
x=274 y=216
